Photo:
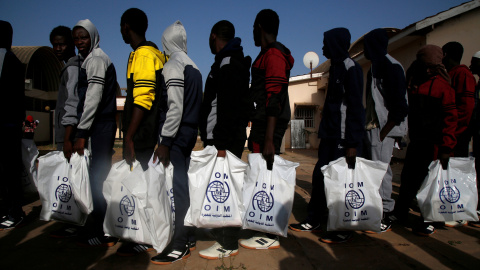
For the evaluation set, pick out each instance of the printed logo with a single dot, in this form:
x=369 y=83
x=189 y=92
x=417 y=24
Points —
x=127 y=206
x=263 y=201
x=218 y=191
x=354 y=199
x=449 y=194
x=63 y=193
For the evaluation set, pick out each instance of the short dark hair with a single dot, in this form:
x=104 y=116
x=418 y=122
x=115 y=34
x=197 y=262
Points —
x=224 y=30
x=269 y=21
x=454 y=51
x=62 y=31
x=6 y=34
x=136 y=19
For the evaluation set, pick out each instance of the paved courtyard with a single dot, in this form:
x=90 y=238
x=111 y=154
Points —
x=29 y=247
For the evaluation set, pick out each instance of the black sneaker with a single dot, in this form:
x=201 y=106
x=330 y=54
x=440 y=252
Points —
x=192 y=245
x=171 y=256
x=98 y=241
x=305 y=227
x=425 y=229
x=131 y=249
x=65 y=232
x=8 y=222
x=336 y=237
x=385 y=225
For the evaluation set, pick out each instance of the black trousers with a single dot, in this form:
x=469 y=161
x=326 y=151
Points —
x=102 y=140
x=419 y=156
x=11 y=189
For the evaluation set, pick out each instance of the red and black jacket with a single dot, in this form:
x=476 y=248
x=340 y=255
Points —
x=269 y=91
x=433 y=113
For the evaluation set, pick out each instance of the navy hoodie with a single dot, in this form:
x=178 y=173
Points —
x=343 y=113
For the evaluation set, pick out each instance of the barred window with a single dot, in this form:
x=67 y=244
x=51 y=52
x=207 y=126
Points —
x=307 y=113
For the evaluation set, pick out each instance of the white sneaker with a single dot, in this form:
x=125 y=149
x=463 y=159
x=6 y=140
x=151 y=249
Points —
x=216 y=252
x=457 y=223
x=260 y=241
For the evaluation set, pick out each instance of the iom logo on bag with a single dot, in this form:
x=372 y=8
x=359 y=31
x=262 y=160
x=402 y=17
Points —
x=218 y=191
x=354 y=199
x=263 y=201
x=127 y=206
x=449 y=194
x=63 y=193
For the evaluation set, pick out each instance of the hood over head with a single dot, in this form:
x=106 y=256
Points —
x=337 y=42
x=92 y=31
x=375 y=44
x=174 y=39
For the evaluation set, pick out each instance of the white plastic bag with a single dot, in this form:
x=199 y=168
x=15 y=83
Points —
x=215 y=186
x=125 y=191
x=449 y=195
x=80 y=181
x=29 y=173
x=353 y=197
x=159 y=212
x=268 y=195
x=54 y=188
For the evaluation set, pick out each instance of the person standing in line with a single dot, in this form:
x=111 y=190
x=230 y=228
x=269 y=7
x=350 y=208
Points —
x=432 y=123
x=12 y=113
x=386 y=111
x=342 y=127
x=96 y=110
x=178 y=130
x=475 y=127
x=224 y=114
x=269 y=90
x=64 y=48
x=67 y=101
x=463 y=83
x=144 y=87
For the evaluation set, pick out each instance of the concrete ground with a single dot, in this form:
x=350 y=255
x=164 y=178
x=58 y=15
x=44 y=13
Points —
x=29 y=247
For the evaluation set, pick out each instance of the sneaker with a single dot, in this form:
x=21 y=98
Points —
x=425 y=229
x=457 y=223
x=336 y=237
x=305 y=227
x=192 y=245
x=261 y=241
x=217 y=252
x=131 y=249
x=385 y=226
x=98 y=241
x=65 y=232
x=8 y=222
x=171 y=256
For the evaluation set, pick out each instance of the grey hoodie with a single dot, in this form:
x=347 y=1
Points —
x=98 y=99
x=184 y=87
x=67 y=101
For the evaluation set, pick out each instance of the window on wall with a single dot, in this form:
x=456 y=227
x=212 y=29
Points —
x=307 y=113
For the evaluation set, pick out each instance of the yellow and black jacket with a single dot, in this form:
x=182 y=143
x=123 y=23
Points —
x=145 y=84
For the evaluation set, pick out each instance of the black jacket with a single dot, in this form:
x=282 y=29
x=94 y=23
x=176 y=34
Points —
x=343 y=113
x=226 y=107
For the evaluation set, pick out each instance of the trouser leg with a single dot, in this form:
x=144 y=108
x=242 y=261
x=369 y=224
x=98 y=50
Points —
x=329 y=150
x=10 y=172
x=382 y=151
x=415 y=169
x=180 y=159
x=102 y=150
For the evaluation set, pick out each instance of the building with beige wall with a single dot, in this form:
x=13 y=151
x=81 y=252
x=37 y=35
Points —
x=460 y=23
